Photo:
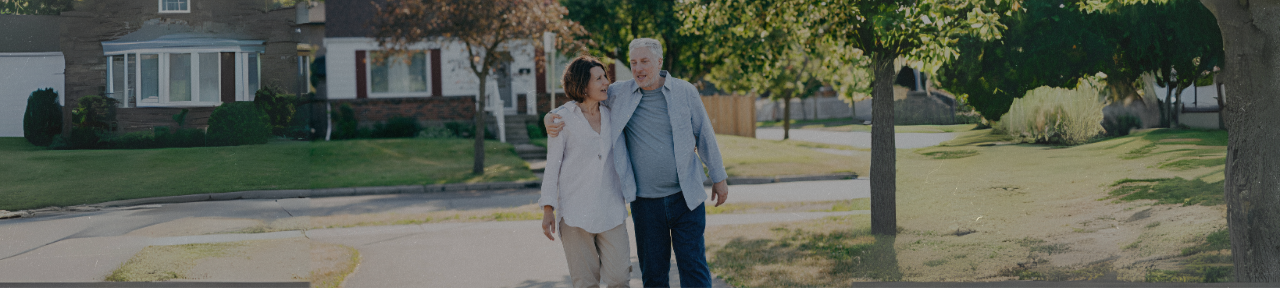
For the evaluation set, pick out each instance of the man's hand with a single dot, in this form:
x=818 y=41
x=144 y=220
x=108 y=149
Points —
x=548 y=222
x=719 y=192
x=553 y=128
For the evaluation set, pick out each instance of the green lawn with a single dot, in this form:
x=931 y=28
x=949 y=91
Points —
x=36 y=178
x=848 y=125
x=748 y=157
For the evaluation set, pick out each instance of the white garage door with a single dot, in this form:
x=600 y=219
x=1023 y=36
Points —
x=20 y=74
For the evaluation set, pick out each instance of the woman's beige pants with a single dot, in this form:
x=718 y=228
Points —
x=594 y=257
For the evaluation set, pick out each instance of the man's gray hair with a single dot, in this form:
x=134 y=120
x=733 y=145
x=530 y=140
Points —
x=653 y=45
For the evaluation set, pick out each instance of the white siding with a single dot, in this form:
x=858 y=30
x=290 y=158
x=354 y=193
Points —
x=21 y=74
x=457 y=80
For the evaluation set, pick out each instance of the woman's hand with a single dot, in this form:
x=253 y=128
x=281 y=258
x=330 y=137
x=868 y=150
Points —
x=548 y=222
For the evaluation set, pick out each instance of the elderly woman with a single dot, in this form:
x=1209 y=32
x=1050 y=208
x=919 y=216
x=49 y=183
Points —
x=582 y=186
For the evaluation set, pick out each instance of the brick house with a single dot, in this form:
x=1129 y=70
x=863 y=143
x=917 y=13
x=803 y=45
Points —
x=157 y=57
x=437 y=85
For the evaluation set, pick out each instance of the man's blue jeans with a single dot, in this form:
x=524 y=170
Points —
x=666 y=224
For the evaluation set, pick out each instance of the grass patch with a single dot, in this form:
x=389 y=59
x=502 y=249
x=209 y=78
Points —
x=1216 y=241
x=1192 y=137
x=955 y=154
x=821 y=253
x=37 y=178
x=977 y=137
x=331 y=264
x=1169 y=191
x=1188 y=164
x=746 y=157
x=162 y=263
x=799 y=123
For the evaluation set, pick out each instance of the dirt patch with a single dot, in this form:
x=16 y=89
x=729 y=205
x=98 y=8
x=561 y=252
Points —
x=279 y=260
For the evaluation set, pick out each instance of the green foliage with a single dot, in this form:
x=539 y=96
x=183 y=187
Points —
x=615 y=23
x=181 y=118
x=95 y=112
x=396 y=127
x=1169 y=191
x=182 y=137
x=435 y=132
x=344 y=123
x=238 y=123
x=534 y=131
x=1055 y=115
x=35 y=7
x=467 y=130
x=43 y=117
x=279 y=107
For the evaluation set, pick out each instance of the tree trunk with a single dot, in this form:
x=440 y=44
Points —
x=478 y=168
x=884 y=171
x=786 y=116
x=1251 y=40
x=1167 y=106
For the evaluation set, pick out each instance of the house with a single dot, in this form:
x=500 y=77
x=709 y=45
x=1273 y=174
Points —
x=154 y=57
x=436 y=85
x=30 y=59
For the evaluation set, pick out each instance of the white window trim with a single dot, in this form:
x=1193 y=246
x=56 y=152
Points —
x=163 y=11
x=162 y=78
x=368 y=77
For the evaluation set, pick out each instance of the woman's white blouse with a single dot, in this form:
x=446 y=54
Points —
x=580 y=182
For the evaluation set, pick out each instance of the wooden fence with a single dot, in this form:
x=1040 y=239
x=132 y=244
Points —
x=733 y=115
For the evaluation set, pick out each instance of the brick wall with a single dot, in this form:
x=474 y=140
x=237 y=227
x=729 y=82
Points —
x=424 y=109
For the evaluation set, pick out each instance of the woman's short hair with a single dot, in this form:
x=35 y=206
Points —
x=578 y=75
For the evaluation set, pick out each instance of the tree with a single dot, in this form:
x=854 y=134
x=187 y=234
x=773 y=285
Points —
x=1251 y=36
x=796 y=75
x=614 y=23
x=35 y=7
x=919 y=30
x=487 y=28
x=1178 y=39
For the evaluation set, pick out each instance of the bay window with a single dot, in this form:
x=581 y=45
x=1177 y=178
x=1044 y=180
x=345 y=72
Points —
x=180 y=78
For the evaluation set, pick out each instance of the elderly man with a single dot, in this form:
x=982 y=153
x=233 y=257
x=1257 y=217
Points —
x=660 y=121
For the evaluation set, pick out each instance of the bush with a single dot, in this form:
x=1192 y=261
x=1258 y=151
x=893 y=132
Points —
x=279 y=107
x=132 y=140
x=466 y=130
x=396 y=127
x=43 y=117
x=183 y=137
x=1056 y=115
x=534 y=131
x=435 y=132
x=344 y=123
x=238 y=123
x=95 y=112
x=1120 y=125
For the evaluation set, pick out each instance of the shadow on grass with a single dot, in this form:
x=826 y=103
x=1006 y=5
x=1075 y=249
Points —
x=801 y=258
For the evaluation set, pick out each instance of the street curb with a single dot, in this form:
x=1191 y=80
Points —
x=376 y=190
x=784 y=178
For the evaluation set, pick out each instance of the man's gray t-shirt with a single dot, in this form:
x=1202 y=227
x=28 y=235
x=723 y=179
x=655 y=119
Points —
x=651 y=147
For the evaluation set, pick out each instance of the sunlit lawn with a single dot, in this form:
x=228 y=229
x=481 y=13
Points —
x=34 y=177
x=848 y=125
x=749 y=157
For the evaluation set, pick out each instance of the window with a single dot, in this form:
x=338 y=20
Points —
x=179 y=79
x=397 y=77
x=175 y=6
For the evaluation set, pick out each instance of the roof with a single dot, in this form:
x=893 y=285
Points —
x=30 y=33
x=349 y=18
x=191 y=41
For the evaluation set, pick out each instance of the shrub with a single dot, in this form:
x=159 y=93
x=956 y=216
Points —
x=182 y=137
x=43 y=117
x=1120 y=125
x=435 y=132
x=534 y=131
x=344 y=123
x=279 y=107
x=1056 y=115
x=95 y=112
x=237 y=123
x=132 y=140
x=466 y=130
x=396 y=127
